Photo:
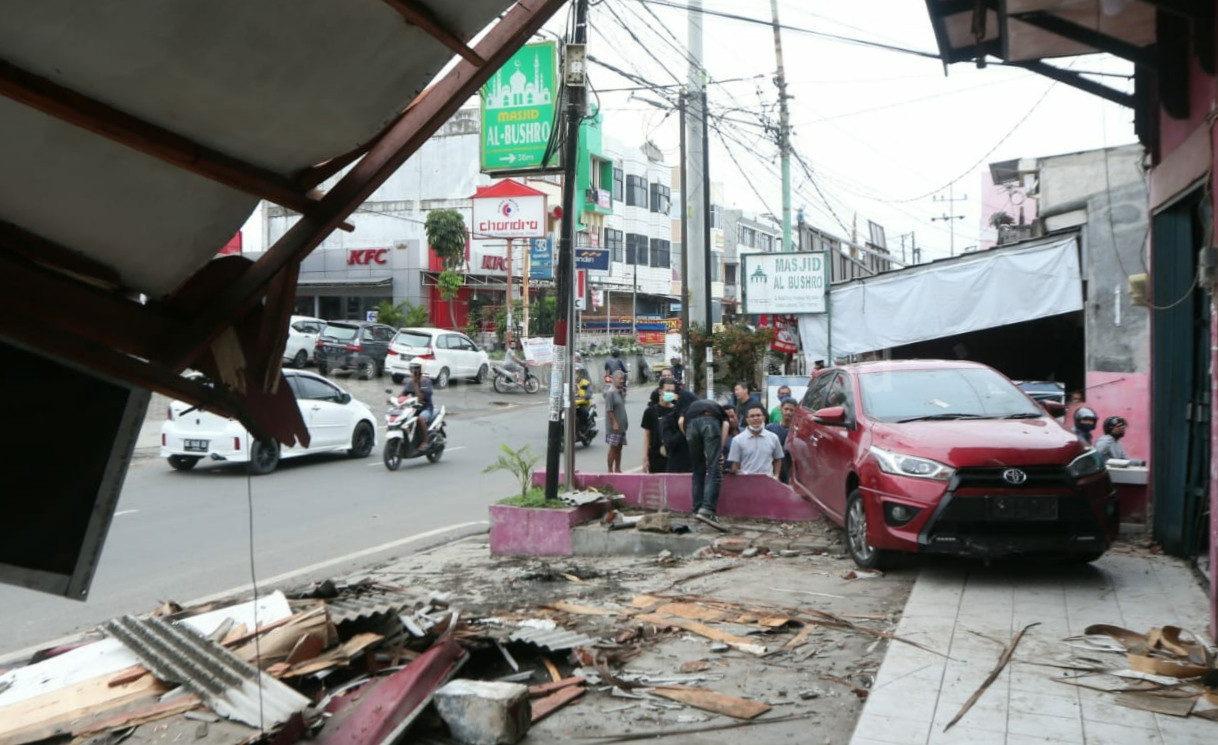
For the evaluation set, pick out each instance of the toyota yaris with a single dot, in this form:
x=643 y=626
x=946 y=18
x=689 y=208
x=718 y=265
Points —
x=946 y=457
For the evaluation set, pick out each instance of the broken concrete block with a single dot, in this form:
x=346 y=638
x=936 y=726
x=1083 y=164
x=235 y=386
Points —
x=731 y=544
x=749 y=553
x=480 y=712
x=773 y=542
x=659 y=522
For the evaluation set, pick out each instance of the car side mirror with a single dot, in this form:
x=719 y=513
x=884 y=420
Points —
x=830 y=415
x=344 y=398
x=1055 y=408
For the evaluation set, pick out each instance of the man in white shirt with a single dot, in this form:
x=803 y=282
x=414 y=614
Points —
x=755 y=449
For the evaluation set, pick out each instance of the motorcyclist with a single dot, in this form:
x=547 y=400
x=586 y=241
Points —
x=419 y=386
x=583 y=397
x=514 y=364
x=1109 y=446
x=1084 y=423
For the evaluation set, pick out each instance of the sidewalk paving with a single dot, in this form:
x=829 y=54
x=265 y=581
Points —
x=971 y=612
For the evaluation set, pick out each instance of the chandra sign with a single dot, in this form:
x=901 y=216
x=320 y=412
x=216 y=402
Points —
x=509 y=217
x=366 y=256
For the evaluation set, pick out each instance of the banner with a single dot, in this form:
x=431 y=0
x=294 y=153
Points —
x=790 y=282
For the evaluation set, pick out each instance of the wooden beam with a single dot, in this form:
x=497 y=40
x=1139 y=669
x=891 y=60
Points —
x=35 y=248
x=1075 y=80
x=74 y=108
x=425 y=115
x=1087 y=36
x=417 y=13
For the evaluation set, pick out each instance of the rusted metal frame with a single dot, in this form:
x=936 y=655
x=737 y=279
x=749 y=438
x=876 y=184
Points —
x=74 y=108
x=77 y=307
x=33 y=330
x=35 y=248
x=1088 y=36
x=420 y=15
x=314 y=175
x=426 y=114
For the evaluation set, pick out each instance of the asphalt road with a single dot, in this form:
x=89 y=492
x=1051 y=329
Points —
x=185 y=536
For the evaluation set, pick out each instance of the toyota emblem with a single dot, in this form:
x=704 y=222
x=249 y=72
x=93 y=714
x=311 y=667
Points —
x=1014 y=476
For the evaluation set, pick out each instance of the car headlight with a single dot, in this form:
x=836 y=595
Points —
x=1087 y=464
x=911 y=465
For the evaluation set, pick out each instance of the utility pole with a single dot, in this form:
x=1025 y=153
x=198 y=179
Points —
x=524 y=288
x=685 y=294
x=634 y=300
x=950 y=215
x=562 y=384
x=696 y=238
x=784 y=133
x=706 y=210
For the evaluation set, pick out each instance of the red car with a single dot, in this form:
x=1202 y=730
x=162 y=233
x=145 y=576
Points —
x=946 y=457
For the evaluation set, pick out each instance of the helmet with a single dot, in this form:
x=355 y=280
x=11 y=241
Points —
x=615 y=352
x=1112 y=423
x=1082 y=413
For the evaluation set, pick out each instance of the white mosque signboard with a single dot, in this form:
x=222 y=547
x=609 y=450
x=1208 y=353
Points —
x=785 y=283
x=518 y=105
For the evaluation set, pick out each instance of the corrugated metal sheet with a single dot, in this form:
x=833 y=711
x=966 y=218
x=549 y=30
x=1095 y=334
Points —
x=555 y=639
x=232 y=687
x=353 y=607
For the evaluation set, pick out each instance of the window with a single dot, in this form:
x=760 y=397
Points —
x=636 y=191
x=815 y=397
x=660 y=252
x=716 y=266
x=613 y=242
x=636 y=249
x=748 y=237
x=765 y=242
x=315 y=390
x=716 y=216
x=617 y=184
x=661 y=199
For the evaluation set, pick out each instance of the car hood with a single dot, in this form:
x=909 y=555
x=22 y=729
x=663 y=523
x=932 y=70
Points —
x=981 y=442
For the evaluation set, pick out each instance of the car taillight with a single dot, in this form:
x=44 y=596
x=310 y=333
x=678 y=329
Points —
x=430 y=354
x=319 y=344
x=236 y=443
x=352 y=347
x=168 y=414
x=164 y=441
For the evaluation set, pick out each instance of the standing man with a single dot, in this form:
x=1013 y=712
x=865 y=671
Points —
x=705 y=427
x=615 y=411
x=670 y=406
x=742 y=398
x=678 y=370
x=781 y=428
x=655 y=457
x=1109 y=446
x=756 y=449
x=784 y=392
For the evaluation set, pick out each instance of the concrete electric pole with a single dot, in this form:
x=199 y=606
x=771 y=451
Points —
x=784 y=133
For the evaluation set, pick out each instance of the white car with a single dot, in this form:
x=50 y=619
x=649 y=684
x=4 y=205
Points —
x=336 y=421
x=444 y=354
x=302 y=340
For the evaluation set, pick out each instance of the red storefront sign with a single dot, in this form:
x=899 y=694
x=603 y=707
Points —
x=366 y=256
x=494 y=263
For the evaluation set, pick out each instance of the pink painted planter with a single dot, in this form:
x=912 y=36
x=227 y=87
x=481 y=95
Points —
x=536 y=531
x=740 y=496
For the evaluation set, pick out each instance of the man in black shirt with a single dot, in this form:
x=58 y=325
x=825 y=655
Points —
x=705 y=426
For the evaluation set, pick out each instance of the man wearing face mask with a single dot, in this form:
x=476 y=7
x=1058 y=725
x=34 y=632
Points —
x=671 y=404
x=756 y=449
x=1084 y=424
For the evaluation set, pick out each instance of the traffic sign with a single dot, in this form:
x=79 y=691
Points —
x=518 y=107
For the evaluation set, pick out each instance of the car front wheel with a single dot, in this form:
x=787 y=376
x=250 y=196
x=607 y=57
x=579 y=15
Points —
x=366 y=370
x=442 y=378
x=860 y=550
x=481 y=376
x=362 y=440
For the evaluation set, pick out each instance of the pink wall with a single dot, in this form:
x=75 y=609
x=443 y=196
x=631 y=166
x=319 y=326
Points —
x=995 y=198
x=1127 y=395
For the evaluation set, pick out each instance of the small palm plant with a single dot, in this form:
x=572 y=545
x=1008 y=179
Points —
x=519 y=463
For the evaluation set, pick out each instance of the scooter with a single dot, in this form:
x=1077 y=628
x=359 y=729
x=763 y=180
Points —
x=507 y=380
x=403 y=437
x=585 y=428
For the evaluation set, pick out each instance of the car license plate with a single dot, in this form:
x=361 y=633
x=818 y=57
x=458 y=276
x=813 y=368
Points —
x=195 y=446
x=405 y=357
x=1023 y=508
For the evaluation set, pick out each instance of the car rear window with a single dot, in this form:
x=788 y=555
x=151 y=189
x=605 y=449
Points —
x=899 y=395
x=412 y=339
x=340 y=333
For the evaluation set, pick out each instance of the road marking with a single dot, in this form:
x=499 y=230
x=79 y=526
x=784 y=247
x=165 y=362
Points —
x=9 y=658
x=125 y=512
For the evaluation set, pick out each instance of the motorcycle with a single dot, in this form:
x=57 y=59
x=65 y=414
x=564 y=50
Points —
x=403 y=436
x=585 y=427
x=507 y=380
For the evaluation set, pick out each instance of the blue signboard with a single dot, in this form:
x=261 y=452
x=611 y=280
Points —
x=596 y=259
x=541 y=258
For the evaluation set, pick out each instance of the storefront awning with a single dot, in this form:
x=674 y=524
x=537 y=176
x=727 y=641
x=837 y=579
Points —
x=976 y=291
x=315 y=285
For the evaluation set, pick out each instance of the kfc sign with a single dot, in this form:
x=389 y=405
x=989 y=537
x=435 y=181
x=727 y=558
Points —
x=494 y=263
x=366 y=256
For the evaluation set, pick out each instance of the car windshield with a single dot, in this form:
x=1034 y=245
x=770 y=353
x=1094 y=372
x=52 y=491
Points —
x=412 y=339
x=341 y=333
x=959 y=393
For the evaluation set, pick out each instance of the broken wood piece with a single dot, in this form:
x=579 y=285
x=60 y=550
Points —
x=554 y=674
x=543 y=707
x=221 y=631
x=645 y=601
x=708 y=700
x=701 y=629
x=800 y=638
x=545 y=689
x=60 y=711
x=572 y=578
x=235 y=635
x=307 y=647
x=340 y=655
x=1176 y=706
x=151 y=713
x=691 y=611
x=695 y=666
x=581 y=610
x=507 y=656
x=1003 y=659
x=131 y=674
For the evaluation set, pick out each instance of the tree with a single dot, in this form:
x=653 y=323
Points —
x=404 y=314
x=447 y=235
x=1000 y=218
x=739 y=350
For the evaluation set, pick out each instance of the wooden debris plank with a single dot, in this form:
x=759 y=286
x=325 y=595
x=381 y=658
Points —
x=276 y=644
x=555 y=676
x=645 y=601
x=1003 y=659
x=337 y=656
x=701 y=629
x=543 y=707
x=545 y=689
x=1175 y=706
x=708 y=700
x=799 y=638
x=581 y=610
x=54 y=713
x=159 y=710
x=307 y=647
x=131 y=674
x=691 y=611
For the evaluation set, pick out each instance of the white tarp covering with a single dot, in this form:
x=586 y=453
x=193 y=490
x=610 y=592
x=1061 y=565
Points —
x=973 y=292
